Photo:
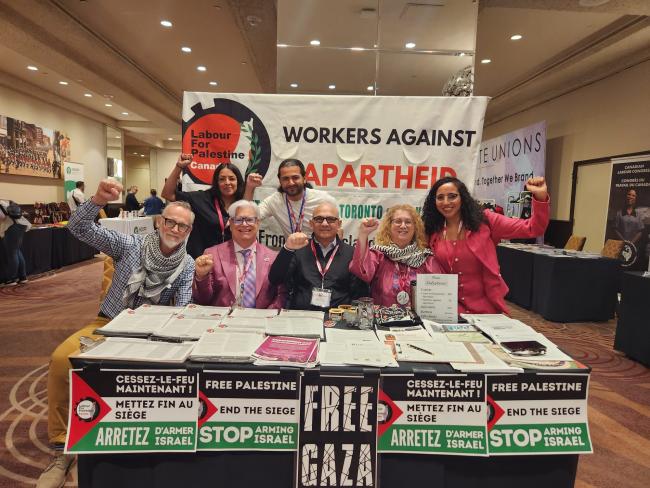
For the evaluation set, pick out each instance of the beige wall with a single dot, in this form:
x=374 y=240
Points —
x=606 y=118
x=162 y=163
x=137 y=173
x=87 y=143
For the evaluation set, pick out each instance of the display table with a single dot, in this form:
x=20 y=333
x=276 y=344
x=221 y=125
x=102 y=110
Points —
x=633 y=328
x=562 y=288
x=137 y=225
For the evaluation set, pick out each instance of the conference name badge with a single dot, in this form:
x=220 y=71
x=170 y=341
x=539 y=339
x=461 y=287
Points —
x=321 y=297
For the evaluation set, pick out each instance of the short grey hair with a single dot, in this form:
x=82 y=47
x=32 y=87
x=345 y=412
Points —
x=181 y=204
x=232 y=211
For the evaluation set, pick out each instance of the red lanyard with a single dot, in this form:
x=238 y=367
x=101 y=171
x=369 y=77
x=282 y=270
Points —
x=292 y=215
x=327 y=266
x=451 y=253
x=217 y=208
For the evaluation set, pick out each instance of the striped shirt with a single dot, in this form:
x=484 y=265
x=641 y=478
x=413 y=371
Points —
x=125 y=251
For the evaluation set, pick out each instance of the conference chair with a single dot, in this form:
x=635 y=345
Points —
x=107 y=276
x=612 y=249
x=575 y=243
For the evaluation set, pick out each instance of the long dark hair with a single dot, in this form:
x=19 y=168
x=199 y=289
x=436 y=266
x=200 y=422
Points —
x=287 y=163
x=625 y=205
x=216 y=192
x=470 y=211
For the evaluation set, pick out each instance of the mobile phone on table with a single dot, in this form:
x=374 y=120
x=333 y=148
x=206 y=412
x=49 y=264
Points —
x=524 y=348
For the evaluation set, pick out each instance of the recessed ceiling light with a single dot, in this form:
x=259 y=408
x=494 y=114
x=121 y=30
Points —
x=32 y=68
x=186 y=49
x=409 y=45
x=135 y=153
x=370 y=88
x=516 y=37
x=142 y=155
x=88 y=95
x=118 y=137
x=166 y=23
x=461 y=54
x=357 y=49
x=486 y=61
x=170 y=138
x=213 y=83
x=294 y=85
x=332 y=87
x=108 y=105
x=315 y=42
x=201 y=68
x=63 y=82
x=125 y=113
x=282 y=45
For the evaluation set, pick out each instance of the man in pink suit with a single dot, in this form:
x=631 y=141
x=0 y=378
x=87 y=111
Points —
x=236 y=271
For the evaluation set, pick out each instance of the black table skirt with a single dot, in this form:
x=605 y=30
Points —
x=517 y=271
x=633 y=328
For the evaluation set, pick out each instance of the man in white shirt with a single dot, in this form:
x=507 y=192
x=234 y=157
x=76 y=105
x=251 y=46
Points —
x=294 y=203
x=77 y=196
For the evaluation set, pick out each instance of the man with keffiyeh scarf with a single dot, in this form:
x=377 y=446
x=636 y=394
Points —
x=150 y=269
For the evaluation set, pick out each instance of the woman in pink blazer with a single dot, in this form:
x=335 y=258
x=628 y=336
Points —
x=221 y=273
x=464 y=238
x=399 y=254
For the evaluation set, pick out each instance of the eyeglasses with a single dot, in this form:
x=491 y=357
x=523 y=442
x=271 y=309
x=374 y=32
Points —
x=330 y=220
x=244 y=220
x=400 y=222
x=171 y=223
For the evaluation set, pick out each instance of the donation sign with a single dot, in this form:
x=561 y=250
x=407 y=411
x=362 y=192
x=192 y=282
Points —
x=391 y=148
x=242 y=410
x=338 y=437
x=132 y=411
x=538 y=414
x=433 y=414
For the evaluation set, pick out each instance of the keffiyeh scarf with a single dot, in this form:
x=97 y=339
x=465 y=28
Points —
x=411 y=255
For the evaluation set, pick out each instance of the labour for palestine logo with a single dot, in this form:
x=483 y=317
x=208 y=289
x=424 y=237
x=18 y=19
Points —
x=228 y=132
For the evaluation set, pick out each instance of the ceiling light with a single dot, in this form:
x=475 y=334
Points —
x=166 y=23
x=170 y=138
x=32 y=68
x=315 y=42
x=213 y=83
x=135 y=153
x=357 y=49
x=294 y=85
x=88 y=95
x=201 y=68
x=118 y=137
x=332 y=87
x=370 y=88
x=142 y=155
x=125 y=113
x=461 y=54
x=282 y=45
x=409 y=45
x=486 y=61
x=592 y=3
x=108 y=105
x=63 y=82
x=186 y=49
x=516 y=37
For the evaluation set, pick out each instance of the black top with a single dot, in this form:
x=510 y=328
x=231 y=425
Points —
x=206 y=231
x=131 y=202
x=298 y=270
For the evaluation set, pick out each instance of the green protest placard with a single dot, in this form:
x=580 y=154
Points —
x=538 y=414
x=132 y=411
x=245 y=410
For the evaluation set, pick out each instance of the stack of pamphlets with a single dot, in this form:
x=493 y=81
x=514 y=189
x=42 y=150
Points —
x=355 y=348
x=287 y=351
x=183 y=328
x=234 y=323
x=226 y=345
x=204 y=312
x=141 y=322
x=489 y=362
x=297 y=323
x=253 y=313
x=131 y=349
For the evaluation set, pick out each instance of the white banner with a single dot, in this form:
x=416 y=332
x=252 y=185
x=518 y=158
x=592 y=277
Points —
x=73 y=172
x=507 y=161
x=368 y=152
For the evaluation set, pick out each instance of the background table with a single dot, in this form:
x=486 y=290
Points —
x=138 y=225
x=633 y=328
x=517 y=271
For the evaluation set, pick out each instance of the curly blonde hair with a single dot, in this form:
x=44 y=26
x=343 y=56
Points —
x=383 y=233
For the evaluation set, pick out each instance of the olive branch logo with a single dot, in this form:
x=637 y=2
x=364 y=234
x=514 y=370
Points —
x=254 y=155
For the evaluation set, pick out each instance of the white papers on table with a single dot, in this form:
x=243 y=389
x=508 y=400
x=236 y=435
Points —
x=226 y=346
x=295 y=326
x=356 y=353
x=474 y=318
x=182 y=327
x=345 y=335
x=433 y=352
x=131 y=323
x=253 y=313
x=432 y=327
x=490 y=363
x=287 y=351
x=157 y=310
x=437 y=297
x=311 y=314
x=130 y=349
x=258 y=323
x=418 y=334
x=204 y=312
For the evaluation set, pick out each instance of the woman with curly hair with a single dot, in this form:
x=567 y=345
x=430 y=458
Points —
x=464 y=238
x=400 y=252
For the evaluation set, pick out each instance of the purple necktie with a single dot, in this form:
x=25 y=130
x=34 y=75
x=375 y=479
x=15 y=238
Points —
x=248 y=293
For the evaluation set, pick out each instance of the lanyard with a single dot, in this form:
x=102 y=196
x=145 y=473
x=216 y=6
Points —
x=241 y=274
x=217 y=208
x=292 y=216
x=451 y=253
x=402 y=279
x=327 y=266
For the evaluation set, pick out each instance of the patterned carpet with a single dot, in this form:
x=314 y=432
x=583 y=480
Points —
x=35 y=317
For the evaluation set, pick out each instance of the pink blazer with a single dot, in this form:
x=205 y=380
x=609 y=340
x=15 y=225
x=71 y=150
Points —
x=219 y=288
x=378 y=270
x=482 y=243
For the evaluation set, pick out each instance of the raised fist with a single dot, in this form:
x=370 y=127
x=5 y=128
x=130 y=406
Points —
x=203 y=266
x=296 y=241
x=107 y=191
x=254 y=180
x=537 y=186
x=368 y=226
x=184 y=160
